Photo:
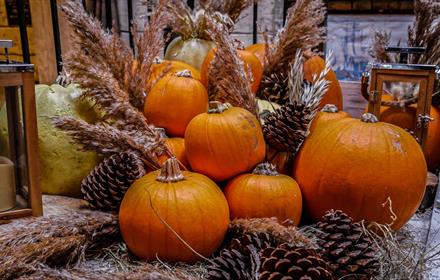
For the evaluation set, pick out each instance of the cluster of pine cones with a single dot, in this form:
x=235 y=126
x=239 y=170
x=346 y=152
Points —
x=343 y=251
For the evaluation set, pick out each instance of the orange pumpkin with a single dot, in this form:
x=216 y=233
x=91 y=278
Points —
x=173 y=67
x=328 y=113
x=259 y=50
x=177 y=147
x=174 y=101
x=249 y=61
x=407 y=119
x=224 y=142
x=364 y=168
x=281 y=160
x=264 y=194
x=170 y=200
x=314 y=66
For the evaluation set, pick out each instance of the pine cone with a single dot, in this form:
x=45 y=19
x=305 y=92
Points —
x=238 y=260
x=274 y=88
x=288 y=262
x=286 y=129
x=346 y=247
x=107 y=183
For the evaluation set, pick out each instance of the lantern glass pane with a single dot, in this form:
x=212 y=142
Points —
x=13 y=143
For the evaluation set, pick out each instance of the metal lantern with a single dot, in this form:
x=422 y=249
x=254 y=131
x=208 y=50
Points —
x=400 y=85
x=20 y=193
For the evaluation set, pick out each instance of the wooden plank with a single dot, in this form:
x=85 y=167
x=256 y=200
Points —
x=44 y=42
x=65 y=31
x=354 y=102
x=14 y=214
x=10 y=79
x=33 y=163
x=3 y=14
x=13 y=33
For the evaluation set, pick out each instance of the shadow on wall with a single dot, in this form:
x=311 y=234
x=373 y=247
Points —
x=350 y=37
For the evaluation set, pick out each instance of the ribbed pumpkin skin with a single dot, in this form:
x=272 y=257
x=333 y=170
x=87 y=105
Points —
x=406 y=119
x=314 y=66
x=173 y=102
x=195 y=208
x=281 y=160
x=264 y=196
x=249 y=60
x=355 y=166
x=177 y=147
x=174 y=67
x=225 y=144
x=323 y=118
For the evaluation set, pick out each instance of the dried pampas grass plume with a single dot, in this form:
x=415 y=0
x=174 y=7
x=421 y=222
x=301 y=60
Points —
x=227 y=78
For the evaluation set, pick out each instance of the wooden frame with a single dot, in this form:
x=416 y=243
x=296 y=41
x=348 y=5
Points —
x=424 y=75
x=23 y=76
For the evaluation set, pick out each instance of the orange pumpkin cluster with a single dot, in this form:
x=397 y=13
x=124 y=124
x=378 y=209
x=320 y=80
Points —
x=347 y=164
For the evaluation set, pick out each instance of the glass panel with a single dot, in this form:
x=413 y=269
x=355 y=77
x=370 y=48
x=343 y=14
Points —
x=13 y=149
x=399 y=104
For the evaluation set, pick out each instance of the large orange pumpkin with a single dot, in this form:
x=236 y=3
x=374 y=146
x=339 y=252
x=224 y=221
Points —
x=407 y=119
x=364 y=168
x=250 y=61
x=170 y=200
x=264 y=194
x=172 y=67
x=174 y=101
x=314 y=66
x=224 y=142
x=328 y=113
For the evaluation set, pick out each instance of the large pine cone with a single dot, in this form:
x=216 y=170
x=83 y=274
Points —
x=238 y=261
x=350 y=253
x=286 y=129
x=288 y=262
x=107 y=183
x=274 y=88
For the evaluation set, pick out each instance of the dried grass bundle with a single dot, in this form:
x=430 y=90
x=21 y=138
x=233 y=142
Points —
x=302 y=30
x=110 y=75
x=380 y=41
x=227 y=78
x=281 y=233
x=55 y=240
x=194 y=24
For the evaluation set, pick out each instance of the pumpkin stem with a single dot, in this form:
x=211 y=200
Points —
x=266 y=168
x=184 y=73
x=170 y=172
x=161 y=132
x=330 y=108
x=217 y=107
x=369 y=118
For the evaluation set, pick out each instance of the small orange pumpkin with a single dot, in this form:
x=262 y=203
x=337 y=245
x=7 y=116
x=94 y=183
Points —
x=173 y=67
x=264 y=194
x=407 y=119
x=281 y=160
x=249 y=61
x=170 y=200
x=314 y=66
x=364 y=168
x=176 y=146
x=328 y=113
x=259 y=50
x=174 y=100
x=224 y=142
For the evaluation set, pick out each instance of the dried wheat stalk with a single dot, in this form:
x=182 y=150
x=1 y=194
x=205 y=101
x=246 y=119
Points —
x=381 y=40
x=302 y=30
x=56 y=240
x=227 y=78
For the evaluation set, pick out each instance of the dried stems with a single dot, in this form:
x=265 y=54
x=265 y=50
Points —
x=57 y=240
x=227 y=80
x=110 y=75
x=380 y=41
x=302 y=31
x=191 y=24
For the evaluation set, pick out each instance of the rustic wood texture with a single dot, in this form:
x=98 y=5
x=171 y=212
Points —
x=44 y=41
x=354 y=102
